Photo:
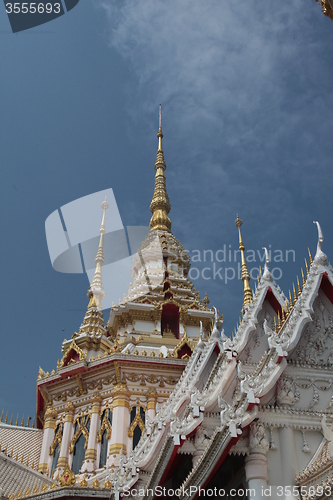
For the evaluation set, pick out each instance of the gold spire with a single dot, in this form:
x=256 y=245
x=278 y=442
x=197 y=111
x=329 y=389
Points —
x=245 y=277
x=96 y=291
x=160 y=204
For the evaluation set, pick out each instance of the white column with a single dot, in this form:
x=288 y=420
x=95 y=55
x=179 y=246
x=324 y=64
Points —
x=89 y=464
x=66 y=437
x=256 y=462
x=50 y=419
x=120 y=423
x=288 y=460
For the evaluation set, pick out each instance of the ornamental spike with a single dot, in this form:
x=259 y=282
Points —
x=283 y=318
x=160 y=204
x=310 y=257
x=1 y=416
x=299 y=289
x=16 y=421
x=245 y=276
x=6 y=417
x=303 y=278
x=22 y=421
x=275 y=326
x=279 y=320
x=96 y=289
x=307 y=268
x=11 y=420
x=287 y=308
x=290 y=301
x=295 y=296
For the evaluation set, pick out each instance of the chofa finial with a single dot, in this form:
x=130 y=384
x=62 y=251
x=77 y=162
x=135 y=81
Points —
x=267 y=275
x=320 y=256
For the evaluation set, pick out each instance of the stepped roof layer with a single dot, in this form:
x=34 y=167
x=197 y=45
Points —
x=21 y=442
x=18 y=479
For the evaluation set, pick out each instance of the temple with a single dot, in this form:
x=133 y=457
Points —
x=159 y=401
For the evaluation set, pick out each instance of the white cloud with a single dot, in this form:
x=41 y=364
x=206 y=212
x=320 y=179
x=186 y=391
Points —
x=246 y=92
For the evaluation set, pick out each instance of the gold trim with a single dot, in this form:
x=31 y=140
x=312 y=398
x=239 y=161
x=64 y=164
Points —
x=57 y=440
x=62 y=462
x=67 y=478
x=137 y=421
x=42 y=468
x=81 y=430
x=104 y=426
x=91 y=454
x=116 y=448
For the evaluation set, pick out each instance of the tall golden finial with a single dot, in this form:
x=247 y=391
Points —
x=295 y=296
x=16 y=421
x=11 y=420
x=279 y=320
x=96 y=290
x=22 y=421
x=306 y=267
x=160 y=204
x=1 y=416
x=6 y=417
x=303 y=278
x=245 y=277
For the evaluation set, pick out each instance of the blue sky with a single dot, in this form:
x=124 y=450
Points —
x=247 y=120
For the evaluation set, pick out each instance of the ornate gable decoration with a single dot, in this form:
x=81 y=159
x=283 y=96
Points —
x=183 y=347
x=69 y=356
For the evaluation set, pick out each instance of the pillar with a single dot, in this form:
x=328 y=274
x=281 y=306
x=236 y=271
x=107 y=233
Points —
x=89 y=464
x=50 y=420
x=120 y=423
x=256 y=462
x=67 y=435
x=288 y=460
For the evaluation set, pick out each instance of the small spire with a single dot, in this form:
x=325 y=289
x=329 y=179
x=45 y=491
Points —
x=96 y=290
x=1 y=416
x=245 y=277
x=303 y=277
x=160 y=204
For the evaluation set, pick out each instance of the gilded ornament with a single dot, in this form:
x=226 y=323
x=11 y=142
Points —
x=95 y=484
x=67 y=478
x=108 y=484
x=84 y=482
